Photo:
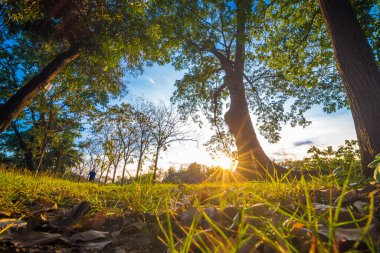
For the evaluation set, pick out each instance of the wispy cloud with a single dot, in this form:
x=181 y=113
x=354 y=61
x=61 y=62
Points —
x=151 y=80
x=282 y=153
x=303 y=142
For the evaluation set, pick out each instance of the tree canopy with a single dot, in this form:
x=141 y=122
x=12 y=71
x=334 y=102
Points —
x=268 y=60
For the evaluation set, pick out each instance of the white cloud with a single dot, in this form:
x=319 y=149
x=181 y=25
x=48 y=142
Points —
x=151 y=81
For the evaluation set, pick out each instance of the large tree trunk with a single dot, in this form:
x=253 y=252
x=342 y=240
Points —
x=360 y=73
x=253 y=163
x=12 y=108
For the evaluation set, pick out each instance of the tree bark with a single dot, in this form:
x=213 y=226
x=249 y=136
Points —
x=108 y=170
x=123 y=174
x=253 y=163
x=12 y=108
x=114 y=174
x=360 y=73
x=59 y=163
x=27 y=152
x=155 y=163
x=116 y=164
x=139 y=163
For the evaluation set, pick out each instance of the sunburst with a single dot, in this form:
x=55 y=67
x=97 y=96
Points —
x=226 y=163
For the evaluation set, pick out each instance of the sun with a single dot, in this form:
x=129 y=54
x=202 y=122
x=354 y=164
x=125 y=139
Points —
x=225 y=163
x=224 y=171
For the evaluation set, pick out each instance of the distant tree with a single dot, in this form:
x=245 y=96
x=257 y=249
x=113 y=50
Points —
x=192 y=174
x=167 y=128
x=116 y=149
x=103 y=127
x=169 y=175
x=126 y=134
x=93 y=149
x=142 y=123
x=81 y=170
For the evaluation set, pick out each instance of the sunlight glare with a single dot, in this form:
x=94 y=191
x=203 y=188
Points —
x=226 y=163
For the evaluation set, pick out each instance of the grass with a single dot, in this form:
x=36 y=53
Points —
x=18 y=189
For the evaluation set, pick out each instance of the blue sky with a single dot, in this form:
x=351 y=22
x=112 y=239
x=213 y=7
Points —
x=157 y=84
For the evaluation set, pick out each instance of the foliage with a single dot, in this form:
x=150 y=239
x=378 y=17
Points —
x=375 y=164
x=196 y=173
x=113 y=38
x=51 y=125
x=282 y=80
x=328 y=161
x=106 y=31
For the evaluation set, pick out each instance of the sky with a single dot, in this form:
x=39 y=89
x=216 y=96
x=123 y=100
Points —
x=157 y=85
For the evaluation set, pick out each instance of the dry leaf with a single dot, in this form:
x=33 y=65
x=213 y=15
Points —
x=352 y=234
x=89 y=236
x=73 y=216
x=30 y=238
x=98 y=246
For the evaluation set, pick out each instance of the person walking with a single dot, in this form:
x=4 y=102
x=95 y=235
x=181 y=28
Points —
x=91 y=175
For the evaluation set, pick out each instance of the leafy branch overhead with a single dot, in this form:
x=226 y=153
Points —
x=277 y=92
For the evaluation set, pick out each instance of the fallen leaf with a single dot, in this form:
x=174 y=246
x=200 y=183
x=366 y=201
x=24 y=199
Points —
x=97 y=221
x=296 y=228
x=41 y=205
x=98 y=246
x=259 y=210
x=344 y=216
x=325 y=195
x=213 y=213
x=30 y=238
x=349 y=196
x=352 y=234
x=89 y=236
x=73 y=216
x=134 y=226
